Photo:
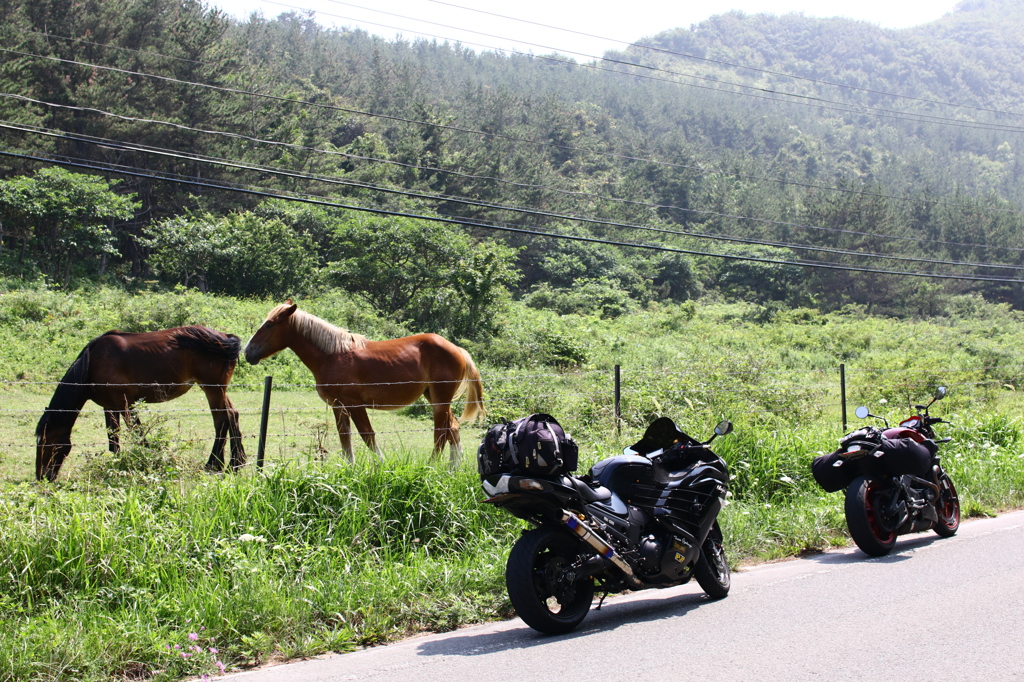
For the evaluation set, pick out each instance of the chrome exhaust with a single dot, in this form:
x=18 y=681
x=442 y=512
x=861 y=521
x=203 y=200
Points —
x=603 y=549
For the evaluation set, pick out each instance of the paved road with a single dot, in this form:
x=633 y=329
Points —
x=935 y=609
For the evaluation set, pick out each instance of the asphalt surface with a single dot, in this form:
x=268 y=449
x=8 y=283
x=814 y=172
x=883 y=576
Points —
x=950 y=609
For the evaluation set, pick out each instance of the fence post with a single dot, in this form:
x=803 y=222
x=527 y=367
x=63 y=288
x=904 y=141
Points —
x=264 y=418
x=842 y=391
x=618 y=401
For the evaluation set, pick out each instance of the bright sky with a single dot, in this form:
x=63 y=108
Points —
x=618 y=20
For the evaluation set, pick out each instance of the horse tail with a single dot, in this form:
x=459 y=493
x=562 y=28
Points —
x=210 y=342
x=70 y=396
x=474 y=390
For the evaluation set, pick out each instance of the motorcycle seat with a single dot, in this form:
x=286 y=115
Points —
x=600 y=494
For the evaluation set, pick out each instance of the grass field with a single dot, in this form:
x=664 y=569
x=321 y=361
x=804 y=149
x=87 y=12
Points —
x=105 y=572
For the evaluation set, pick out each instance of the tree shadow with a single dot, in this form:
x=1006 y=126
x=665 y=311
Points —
x=611 y=616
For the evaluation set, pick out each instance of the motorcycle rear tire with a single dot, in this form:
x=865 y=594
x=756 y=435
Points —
x=864 y=519
x=712 y=568
x=532 y=576
x=947 y=507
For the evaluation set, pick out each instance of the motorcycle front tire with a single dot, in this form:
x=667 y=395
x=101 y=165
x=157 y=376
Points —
x=864 y=520
x=536 y=582
x=712 y=568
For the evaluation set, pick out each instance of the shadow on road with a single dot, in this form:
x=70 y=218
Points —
x=612 y=615
x=905 y=547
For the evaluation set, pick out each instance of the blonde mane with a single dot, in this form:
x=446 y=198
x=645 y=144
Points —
x=321 y=333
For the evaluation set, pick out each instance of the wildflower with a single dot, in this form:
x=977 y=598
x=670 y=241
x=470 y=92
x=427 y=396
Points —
x=221 y=666
x=785 y=479
x=177 y=646
x=214 y=651
x=193 y=636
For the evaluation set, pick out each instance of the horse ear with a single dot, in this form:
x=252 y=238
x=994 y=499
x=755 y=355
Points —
x=289 y=310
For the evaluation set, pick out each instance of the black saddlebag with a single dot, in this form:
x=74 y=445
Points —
x=832 y=472
x=536 y=444
x=905 y=456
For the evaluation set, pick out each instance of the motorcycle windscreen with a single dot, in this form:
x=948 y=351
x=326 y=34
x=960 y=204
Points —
x=662 y=433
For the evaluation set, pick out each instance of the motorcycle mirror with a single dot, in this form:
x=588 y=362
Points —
x=940 y=393
x=862 y=412
x=724 y=428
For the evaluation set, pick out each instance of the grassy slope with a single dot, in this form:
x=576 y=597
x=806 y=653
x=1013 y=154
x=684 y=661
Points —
x=105 y=572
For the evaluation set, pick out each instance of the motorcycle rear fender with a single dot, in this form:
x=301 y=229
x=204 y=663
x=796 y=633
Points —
x=532 y=505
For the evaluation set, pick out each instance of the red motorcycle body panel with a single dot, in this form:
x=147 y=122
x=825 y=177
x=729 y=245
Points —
x=900 y=432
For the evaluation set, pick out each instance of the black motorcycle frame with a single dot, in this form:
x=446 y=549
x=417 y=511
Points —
x=641 y=519
x=881 y=505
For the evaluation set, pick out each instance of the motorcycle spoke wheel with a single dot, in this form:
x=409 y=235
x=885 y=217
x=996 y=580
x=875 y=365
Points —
x=712 y=568
x=947 y=507
x=540 y=583
x=865 y=501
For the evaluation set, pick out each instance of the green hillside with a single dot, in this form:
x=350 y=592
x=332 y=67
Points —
x=791 y=142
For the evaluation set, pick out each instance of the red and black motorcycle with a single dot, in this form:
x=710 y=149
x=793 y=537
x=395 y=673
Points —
x=894 y=481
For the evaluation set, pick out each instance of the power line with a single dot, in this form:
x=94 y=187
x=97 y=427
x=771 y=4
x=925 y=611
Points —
x=148 y=149
x=810 y=100
x=720 y=62
x=442 y=126
x=108 y=46
x=137 y=172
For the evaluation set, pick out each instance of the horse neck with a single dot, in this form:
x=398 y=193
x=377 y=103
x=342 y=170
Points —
x=310 y=354
x=62 y=412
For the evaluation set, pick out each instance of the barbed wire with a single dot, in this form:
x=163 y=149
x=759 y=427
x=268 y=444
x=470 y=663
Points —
x=485 y=379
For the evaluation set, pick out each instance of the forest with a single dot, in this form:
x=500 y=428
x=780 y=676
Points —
x=780 y=160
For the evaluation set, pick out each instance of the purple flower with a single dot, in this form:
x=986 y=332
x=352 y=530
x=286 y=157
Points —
x=177 y=646
x=221 y=666
x=213 y=651
x=193 y=636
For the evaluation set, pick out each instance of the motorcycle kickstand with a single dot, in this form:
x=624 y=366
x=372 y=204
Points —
x=603 y=596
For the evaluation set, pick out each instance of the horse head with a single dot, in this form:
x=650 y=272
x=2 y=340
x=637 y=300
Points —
x=273 y=335
x=53 y=443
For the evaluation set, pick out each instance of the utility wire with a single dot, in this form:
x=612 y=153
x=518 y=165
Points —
x=148 y=149
x=510 y=138
x=137 y=172
x=130 y=146
x=820 y=103
x=720 y=62
x=807 y=100
x=108 y=46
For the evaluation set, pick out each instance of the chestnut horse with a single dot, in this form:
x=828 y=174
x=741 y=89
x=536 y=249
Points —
x=118 y=369
x=353 y=373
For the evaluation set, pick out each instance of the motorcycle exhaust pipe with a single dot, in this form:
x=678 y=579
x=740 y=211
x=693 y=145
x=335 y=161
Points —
x=603 y=549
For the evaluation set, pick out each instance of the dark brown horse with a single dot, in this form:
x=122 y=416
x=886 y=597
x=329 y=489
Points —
x=353 y=373
x=118 y=369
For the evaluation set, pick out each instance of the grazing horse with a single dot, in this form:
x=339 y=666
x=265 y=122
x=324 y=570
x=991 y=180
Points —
x=118 y=369
x=353 y=373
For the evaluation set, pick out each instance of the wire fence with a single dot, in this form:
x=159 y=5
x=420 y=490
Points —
x=290 y=422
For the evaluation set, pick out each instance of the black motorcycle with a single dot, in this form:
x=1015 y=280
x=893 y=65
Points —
x=894 y=481
x=643 y=519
